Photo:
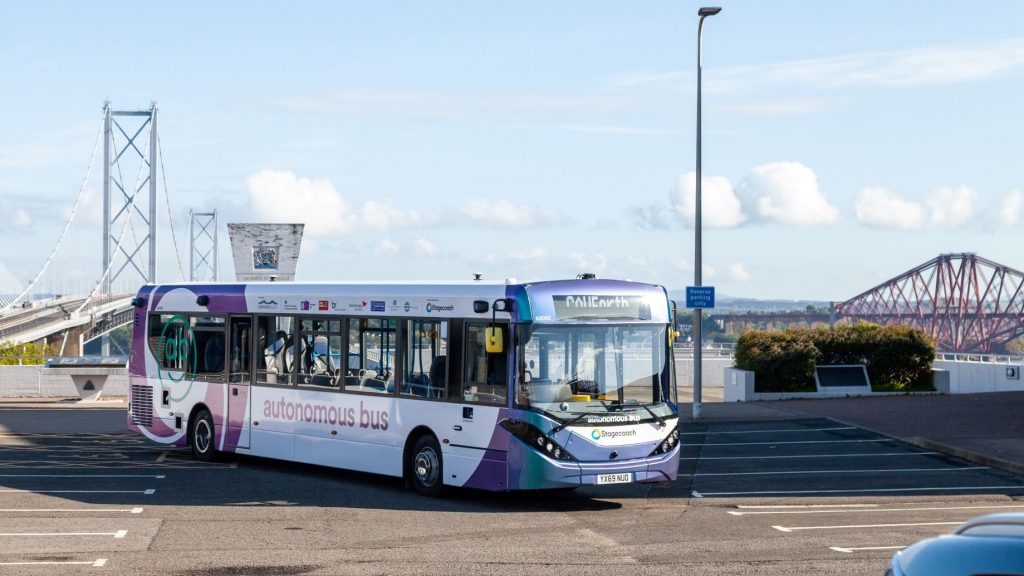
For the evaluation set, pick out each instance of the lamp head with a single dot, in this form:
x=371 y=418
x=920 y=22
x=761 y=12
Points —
x=709 y=11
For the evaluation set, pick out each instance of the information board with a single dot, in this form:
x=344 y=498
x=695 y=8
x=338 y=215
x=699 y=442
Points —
x=700 y=296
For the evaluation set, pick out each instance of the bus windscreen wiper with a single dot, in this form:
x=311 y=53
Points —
x=661 y=421
x=568 y=423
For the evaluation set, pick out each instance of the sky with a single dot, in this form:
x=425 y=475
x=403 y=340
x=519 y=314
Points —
x=843 y=142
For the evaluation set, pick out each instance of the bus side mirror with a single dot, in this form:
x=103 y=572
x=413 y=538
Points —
x=494 y=340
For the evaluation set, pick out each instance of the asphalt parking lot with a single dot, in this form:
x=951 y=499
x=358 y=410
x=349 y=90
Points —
x=801 y=496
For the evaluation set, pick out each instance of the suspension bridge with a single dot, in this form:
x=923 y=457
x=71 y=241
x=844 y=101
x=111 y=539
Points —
x=106 y=247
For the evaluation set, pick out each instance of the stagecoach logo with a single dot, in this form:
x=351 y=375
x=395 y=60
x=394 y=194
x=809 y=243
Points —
x=266 y=304
x=597 y=433
x=433 y=306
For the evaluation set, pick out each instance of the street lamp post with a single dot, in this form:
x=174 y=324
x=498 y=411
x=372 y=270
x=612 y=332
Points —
x=698 y=314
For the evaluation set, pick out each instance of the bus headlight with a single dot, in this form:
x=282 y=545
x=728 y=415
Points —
x=669 y=443
x=536 y=439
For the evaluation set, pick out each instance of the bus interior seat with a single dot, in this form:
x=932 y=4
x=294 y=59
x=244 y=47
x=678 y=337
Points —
x=213 y=353
x=437 y=371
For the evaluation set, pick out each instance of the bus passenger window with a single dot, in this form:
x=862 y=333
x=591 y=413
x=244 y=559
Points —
x=485 y=376
x=209 y=347
x=426 y=358
x=371 y=355
x=275 y=360
x=320 y=353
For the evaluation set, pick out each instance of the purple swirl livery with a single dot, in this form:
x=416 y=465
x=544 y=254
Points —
x=480 y=385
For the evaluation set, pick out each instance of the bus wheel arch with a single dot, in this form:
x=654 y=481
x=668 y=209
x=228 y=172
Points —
x=201 y=433
x=423 y=462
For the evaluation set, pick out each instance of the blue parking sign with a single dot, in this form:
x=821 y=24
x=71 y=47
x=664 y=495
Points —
x=700 y=296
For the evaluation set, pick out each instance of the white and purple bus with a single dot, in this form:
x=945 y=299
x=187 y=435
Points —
x=494 y=386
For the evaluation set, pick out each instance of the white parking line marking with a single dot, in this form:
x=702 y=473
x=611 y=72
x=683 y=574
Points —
x=696 y=494
x=163 y=456
x=118 y=534
x=792 y=528
x=808 y=456
x=128 y=510
x=799 y=442
x=768 y=431
x=157 y=476
x=839 y=510
x=147 y=492
x=799 y=472
x=852 y=550
x=789 y=506
x=864 y=490
x=98 y=563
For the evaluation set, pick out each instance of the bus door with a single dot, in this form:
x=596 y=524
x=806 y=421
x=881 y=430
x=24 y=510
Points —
x=483 y=390
x=239 y=377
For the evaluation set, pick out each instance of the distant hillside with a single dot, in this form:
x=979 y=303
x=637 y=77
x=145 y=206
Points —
x=726 y=303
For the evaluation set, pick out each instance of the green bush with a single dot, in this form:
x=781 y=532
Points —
x=14 y=353
x=897 y=358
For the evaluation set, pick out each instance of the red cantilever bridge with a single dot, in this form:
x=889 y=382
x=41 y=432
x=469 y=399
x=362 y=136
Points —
x=965 y=302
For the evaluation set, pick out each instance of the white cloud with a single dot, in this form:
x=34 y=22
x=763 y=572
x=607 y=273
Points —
x=620 y=130
x=787 y=193
x=384 y=216
x=424 y=247
x=1010 y=208
x=504 y=214
x=681 y=264
x=877 y=207
x=737 y=272
x=385 y=247
x=532 y=255
x=595 y=263
x=720 y=208
x=281 y=196
x=951 y=207
x=21 y=219
x=638 y=261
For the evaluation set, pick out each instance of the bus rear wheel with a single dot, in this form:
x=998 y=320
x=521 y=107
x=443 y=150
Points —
x=201 y=437
x=426 y=468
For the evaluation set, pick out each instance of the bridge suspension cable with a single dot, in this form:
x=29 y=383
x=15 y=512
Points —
x=67 y=225
x=170 y=215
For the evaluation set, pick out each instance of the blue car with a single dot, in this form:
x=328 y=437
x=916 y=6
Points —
x=986 y=545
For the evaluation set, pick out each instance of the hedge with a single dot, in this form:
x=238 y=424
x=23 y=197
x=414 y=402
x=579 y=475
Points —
x=897 y=357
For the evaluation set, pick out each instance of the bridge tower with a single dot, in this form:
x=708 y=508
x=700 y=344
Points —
x=202 y=233
x=129 y=135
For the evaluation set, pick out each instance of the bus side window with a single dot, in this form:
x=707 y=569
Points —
x=320 y=353
x=426 y=358
x=371 y=352
x=275 y=353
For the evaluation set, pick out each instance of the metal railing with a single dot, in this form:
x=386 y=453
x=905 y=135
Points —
x=978 y=357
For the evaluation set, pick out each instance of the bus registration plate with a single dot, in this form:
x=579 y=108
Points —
x=623 y=478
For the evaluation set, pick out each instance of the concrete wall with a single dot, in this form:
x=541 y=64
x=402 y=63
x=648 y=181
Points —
x=971 y=377
x=40 y=382
x=712 y=373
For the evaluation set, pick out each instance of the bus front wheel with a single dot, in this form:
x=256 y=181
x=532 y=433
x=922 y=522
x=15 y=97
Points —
x=202 y=438
x=426 y=467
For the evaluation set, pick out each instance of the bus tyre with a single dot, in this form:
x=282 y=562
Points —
x=201 y=437
x=426 y=467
